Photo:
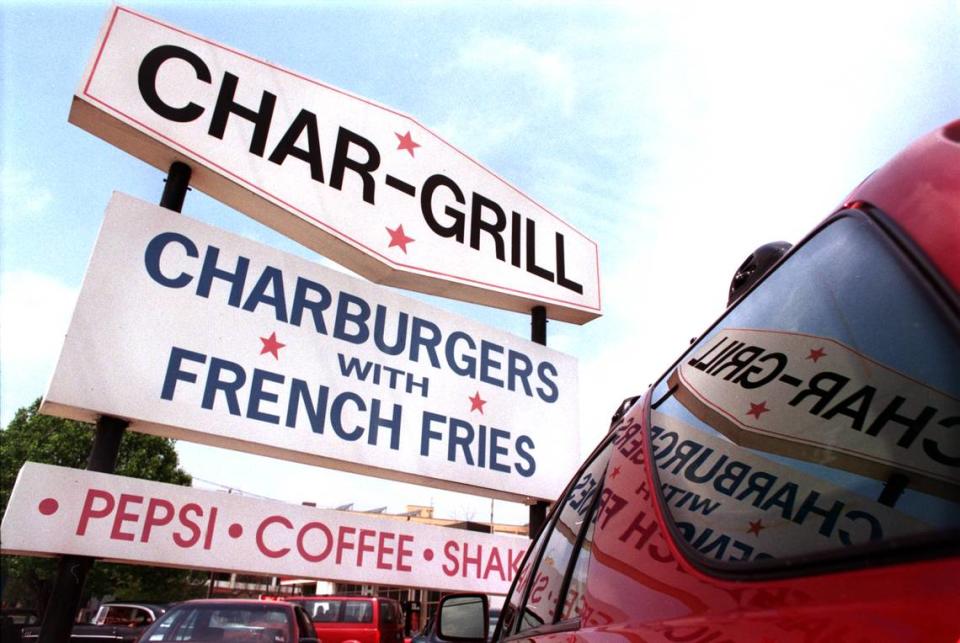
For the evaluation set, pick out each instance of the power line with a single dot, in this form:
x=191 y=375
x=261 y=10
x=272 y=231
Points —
x=235 y=490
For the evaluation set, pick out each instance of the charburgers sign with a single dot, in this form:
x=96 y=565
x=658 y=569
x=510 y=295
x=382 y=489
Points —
x=220 y=340
x=356 y=181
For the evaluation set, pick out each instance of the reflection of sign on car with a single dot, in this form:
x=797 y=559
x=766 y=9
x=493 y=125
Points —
x=816 y=399
x=336 y=172
x=733 y=504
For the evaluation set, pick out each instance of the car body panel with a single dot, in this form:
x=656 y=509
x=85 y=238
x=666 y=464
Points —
x=920 y=190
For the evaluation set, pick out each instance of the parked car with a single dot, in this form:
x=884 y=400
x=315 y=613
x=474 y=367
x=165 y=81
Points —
x=13 y=620
x=364 y=619
x=427 y=633
x=795 y=474
x=237 y=619
x=493 y=615
x=114 y=622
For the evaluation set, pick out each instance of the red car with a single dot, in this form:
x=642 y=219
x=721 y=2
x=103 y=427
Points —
x=795 y=474
x=353 y=619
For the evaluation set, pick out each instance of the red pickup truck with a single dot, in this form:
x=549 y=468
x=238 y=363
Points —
x=348 y=619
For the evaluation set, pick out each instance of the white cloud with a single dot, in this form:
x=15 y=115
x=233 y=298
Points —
x=34 y=314
x=750 y=124
x=512 y=61
x=21 y=194
x=479 y=134
x=507 y=87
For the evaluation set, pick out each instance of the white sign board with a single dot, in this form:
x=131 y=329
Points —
x=192 y=333
x=57 y=510
x=816 y=399
x=358 y=182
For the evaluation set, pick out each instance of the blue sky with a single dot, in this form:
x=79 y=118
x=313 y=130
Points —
x=679 y=136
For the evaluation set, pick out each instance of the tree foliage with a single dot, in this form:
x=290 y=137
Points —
x=33 y=437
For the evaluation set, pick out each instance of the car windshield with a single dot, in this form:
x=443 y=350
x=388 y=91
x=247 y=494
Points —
x=218 y=622
x=818 y=415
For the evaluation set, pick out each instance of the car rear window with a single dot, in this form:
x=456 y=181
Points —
x=223 y=623
x=337 y=611
x=820 y=416
x=389 y=614
x=122 y=615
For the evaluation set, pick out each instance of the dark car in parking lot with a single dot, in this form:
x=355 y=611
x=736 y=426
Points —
x=13 y=620
x=114 y=622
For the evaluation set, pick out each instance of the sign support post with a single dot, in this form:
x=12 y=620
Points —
x=72 y=570
x=176 y=186
x=538 y=335
x=893 y=488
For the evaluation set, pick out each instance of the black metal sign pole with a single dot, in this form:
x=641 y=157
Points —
x=538 y=335
x=175 y=189
x=72 y=570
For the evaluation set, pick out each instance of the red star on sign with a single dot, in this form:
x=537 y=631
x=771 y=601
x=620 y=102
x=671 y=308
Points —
x=271 y=345
x=406 y=142
x=816 y=354
x=756 y=410
x=476 y=403
x=756 y=528
x=399 y=238
x=615 y=472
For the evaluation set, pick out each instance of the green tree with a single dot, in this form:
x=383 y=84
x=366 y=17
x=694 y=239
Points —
x=52 y=440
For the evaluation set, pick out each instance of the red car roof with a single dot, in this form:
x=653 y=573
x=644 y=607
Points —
x=920 y=190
